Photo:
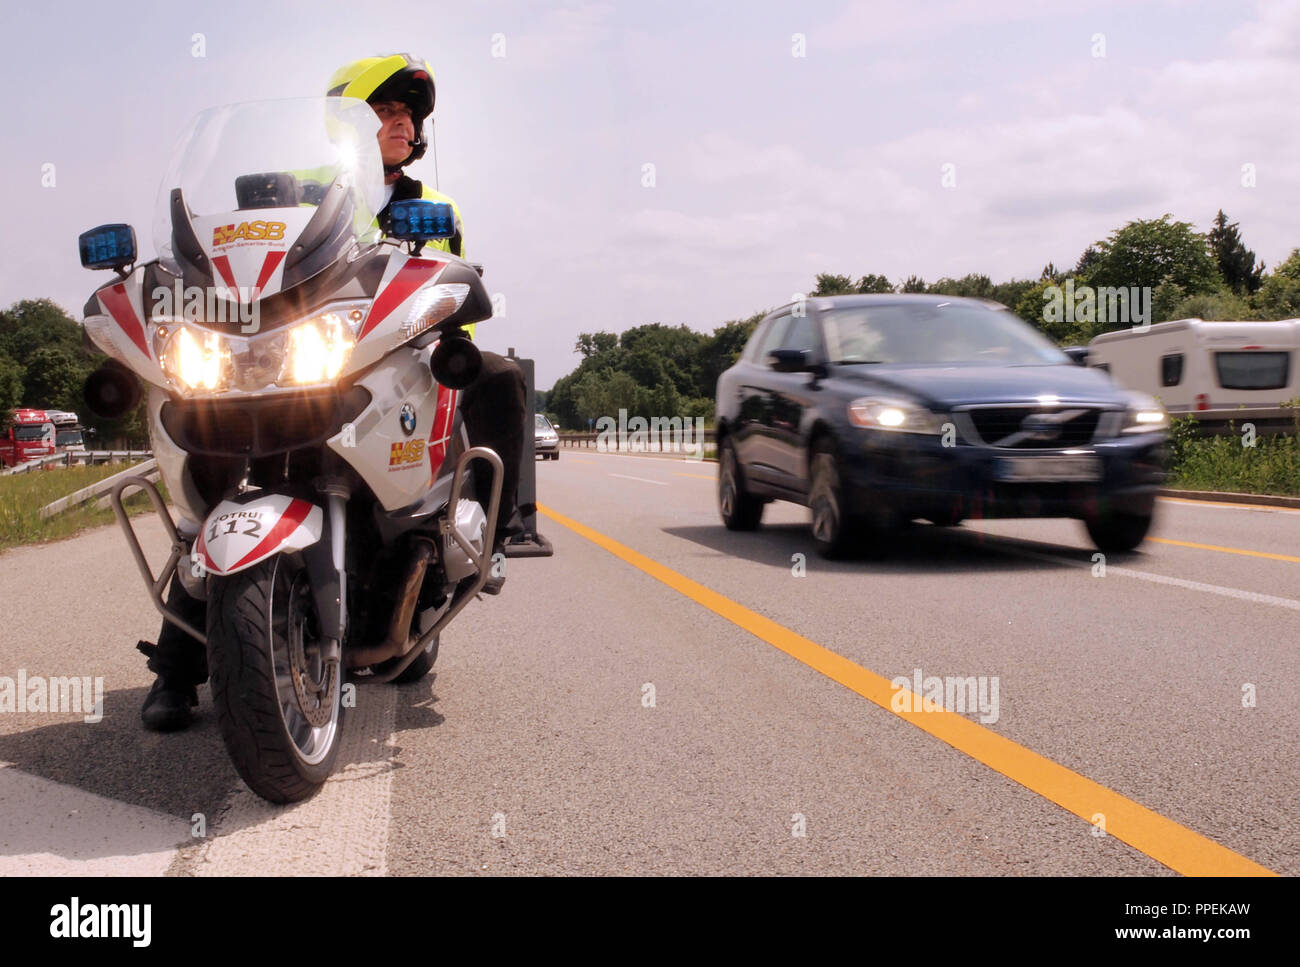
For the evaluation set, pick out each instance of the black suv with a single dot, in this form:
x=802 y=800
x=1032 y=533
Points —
x=873 y=410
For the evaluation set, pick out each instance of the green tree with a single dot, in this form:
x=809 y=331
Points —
x=1279 y=293
x=53 y=379
x=828 y=284
x=1236 y=262
x=1218 y=306
x=913 y=283
x=1011 y=292
x=11 y=389
x=1031 y=307
x=969 y=286
x=873 y=283
x=722 y=350
x=1148 y=253
x=596 y=343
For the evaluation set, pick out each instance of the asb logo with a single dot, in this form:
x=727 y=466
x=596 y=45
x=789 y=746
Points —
x=402 y=454
x=248 y=231
x=408 y=419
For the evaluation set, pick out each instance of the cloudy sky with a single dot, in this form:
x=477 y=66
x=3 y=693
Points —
x=786 y=139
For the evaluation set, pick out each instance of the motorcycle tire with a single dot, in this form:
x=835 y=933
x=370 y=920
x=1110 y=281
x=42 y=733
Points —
x=420 y=667
x=278 y=702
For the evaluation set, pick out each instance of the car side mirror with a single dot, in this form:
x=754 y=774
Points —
x=789 y=360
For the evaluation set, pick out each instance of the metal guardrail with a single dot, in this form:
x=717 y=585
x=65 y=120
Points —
x=589 y=441
x=101 y=488
x=77 y=458
x=1267 y=420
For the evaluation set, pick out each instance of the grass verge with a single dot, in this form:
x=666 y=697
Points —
x=23 y=495
x=1227 y=464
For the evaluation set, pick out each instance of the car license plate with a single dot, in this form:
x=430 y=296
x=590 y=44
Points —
x=1048 y=468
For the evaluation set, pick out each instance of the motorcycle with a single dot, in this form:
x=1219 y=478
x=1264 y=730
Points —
x=303 y=366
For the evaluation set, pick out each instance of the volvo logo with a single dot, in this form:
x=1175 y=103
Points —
x=1041 y=426
x=408 y=419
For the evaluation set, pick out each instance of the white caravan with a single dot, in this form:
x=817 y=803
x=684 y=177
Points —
x=1195 y=365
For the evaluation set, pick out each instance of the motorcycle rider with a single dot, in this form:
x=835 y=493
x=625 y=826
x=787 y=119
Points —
x=401 y=90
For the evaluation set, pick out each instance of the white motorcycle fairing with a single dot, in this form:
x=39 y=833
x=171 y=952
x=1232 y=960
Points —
x=242 y=531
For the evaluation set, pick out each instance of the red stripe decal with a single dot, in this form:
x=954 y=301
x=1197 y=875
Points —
x=268 y=269
x=441 y=431
x=118 y=304
x=223 y=266
x=201 y=548
x=294 y=515
x=409 y=277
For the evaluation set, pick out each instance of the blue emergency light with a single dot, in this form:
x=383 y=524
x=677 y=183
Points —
x=417 y=220
x=107 y=247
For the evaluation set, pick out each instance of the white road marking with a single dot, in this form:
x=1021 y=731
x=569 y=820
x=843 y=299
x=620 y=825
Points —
x=642 y=479
x=49 y=828
x=1254 y=596
x=341 y=831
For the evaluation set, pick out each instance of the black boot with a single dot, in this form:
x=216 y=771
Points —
x=169 y=704
x=181 y=664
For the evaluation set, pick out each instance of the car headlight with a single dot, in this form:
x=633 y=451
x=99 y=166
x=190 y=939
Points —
x=316 y=351
x=196 y=359
x=899 y=416
x=1144 y=415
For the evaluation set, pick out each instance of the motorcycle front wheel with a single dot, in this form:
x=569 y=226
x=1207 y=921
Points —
x=276 y=690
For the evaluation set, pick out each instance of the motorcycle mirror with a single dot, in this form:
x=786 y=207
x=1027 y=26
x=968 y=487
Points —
x=112 y=391
x=107 y=247
x=456 y=362
x=417 y=220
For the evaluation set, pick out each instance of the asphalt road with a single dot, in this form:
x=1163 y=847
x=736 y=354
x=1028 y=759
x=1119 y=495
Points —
x=665 y=696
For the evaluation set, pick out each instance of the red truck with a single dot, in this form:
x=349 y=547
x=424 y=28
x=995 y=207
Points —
x=30 y=434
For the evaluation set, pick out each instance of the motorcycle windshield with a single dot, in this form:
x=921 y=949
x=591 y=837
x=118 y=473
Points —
x=262 y=196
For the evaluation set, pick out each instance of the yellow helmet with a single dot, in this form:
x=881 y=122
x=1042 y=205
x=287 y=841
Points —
x=396 y=77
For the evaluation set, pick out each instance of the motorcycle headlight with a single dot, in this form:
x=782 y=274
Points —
x=899 y=416
x=196 y=360
x=1144 y=415
x=316 y=351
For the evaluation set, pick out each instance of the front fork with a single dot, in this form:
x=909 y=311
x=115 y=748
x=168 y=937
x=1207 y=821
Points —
x=325 y=560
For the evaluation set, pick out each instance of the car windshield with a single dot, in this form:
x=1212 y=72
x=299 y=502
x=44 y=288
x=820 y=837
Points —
x=543 y=423
x=947 y=332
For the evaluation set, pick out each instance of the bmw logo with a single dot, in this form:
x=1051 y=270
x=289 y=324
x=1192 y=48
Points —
x=408 y=419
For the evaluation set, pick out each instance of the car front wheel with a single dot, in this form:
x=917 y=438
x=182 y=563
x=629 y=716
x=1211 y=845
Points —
x=832 y=526
x=1116 y=533
x=740 y=510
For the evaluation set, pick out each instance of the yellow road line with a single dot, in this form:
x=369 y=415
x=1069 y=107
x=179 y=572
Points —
x=1224 y=503
x=1164 y=840
x=1227 y=550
